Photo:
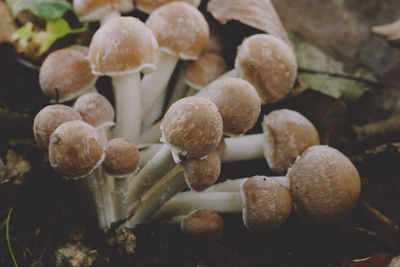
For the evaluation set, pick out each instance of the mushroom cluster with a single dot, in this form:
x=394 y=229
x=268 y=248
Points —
x=134 y=168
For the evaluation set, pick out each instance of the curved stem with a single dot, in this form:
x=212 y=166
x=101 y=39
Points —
x=152 y=134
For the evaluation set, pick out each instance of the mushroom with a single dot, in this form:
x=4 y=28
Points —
x=269 y=64
x=75 y=151
x=48 y=119
x=182 y=32
x=192 y=128
x=148 y=6
x=65 y=74
x=122 y=48
x=121 y=161
x=264 y=203
x=237 y=101
x=286 y=135
x=203 y=223
x=324 y=184
x=103 y=10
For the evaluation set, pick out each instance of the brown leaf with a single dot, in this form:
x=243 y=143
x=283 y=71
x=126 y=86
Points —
x=377 y=260
x=259 y=14
x=7 y=26
x=16 y=169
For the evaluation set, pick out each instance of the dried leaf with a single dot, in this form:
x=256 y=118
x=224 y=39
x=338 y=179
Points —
x=323 y=73
x=379 y=259
x=390 y=31
x=7 y=26
x=259 y=14
x=16 y=169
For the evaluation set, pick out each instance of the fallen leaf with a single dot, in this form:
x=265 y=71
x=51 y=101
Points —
x=323 y=73
x=16 y=169
x=45 y=9
x=7 y=26
x=259 y=14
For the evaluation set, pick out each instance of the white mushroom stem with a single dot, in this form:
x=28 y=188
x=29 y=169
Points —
x=184 y=203
x=179 y=89
x=233 y=185
x=246 y=147
x=151 y=135
x=109 y=16
x=152 y=172
x=156 y=111
x=154 y=83
x=121 y=197
x=146 y=152
x=128 y=106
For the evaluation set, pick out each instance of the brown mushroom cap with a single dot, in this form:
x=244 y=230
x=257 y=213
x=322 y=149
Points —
x=180 y=29
x=149 y=5
x=75 y=149
x=122 y=158
x=269 y=64
x=192 y=126
x=48 y=119
x=287 y=134
x=206 y=224
x=121 y=46
x=68 y=71
x=237 y=101
x=208 y=67
x=92 y=10
x=95 y=109
x=324 y=184
x=202 y=173
x=267 y=204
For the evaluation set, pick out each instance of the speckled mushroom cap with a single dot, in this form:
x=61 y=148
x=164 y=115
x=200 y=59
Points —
x=204 y=223
x=48 y=119
x=180 y=29
x=324 y=184
x=208 y=67
x=95 y=109
x=287 y=134
x=237 y=101
x=202 y=173
x=68 y=71
x=75 y=149
x=123 y=45
x=122 y=158
x=93 y=10
x=267 y=204
x=269 y=64
x=148 y=6
x=192 y=126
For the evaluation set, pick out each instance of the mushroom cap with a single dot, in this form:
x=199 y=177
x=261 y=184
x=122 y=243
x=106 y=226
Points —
x=180 y=29
x=75 y=149
x=67 y=70
x=237 y=101
x=148 y=6
x=123 y=45
x=269 y=64
x=93 y=10
x=122 y=158
x=192 y=126
x=267 y=204
x=208 y=67
x=95 y=109
x=325 y=185
x=202 y=173
x=287 y=134
x=48 y=119
x=204 y=223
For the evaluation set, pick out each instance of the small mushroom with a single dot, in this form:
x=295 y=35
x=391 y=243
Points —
x=182 y=32
x=65 y=74
x=122 y=48
x=121 y=161
x=75 y=151
x=48 y=119
x=264 y=203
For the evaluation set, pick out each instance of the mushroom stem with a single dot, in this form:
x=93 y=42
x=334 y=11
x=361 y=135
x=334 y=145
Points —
x=109 y=16
x=179 y=89
x=128 y=106
x=121 y=197
x=233 y=185
x=156 y=111
x=153 y=84
x=153 y=171
x=184 y=203
x=151 y=135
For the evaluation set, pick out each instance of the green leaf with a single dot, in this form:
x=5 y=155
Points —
x=323 y=73
x=45 y=9
x=55 y=29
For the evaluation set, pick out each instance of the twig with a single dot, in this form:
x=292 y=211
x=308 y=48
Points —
x=8 y=238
